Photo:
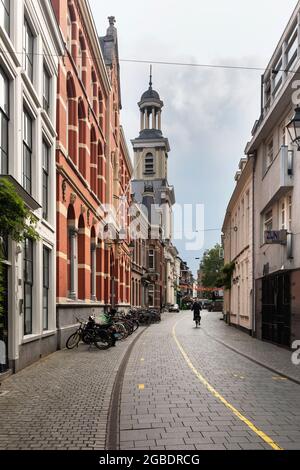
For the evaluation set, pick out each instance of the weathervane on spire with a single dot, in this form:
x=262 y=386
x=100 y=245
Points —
x=150 y=82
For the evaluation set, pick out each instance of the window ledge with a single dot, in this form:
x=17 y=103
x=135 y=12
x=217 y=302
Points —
x=31 y=89
x=10 y=47
x=48 y=225
x=47 y=333
x=30 y=338
x=48 y=120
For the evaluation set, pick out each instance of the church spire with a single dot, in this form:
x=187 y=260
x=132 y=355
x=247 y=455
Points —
x=150 y=81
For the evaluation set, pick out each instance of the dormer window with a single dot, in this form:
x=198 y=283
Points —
x=149 y=164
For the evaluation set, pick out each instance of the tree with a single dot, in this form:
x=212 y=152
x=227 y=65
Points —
x=225 y=278
x=211 y=266
x=16 y=222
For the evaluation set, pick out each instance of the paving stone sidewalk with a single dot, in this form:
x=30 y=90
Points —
x=272 y=356
x=62 y=401
x=166 y=407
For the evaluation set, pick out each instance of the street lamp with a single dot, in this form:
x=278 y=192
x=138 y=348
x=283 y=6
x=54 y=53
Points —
x=293 y=128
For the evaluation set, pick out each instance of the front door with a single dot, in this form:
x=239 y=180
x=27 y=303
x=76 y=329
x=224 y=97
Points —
x=4 y=320
x=276 y=309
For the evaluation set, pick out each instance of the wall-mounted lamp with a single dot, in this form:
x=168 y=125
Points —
x=293 y=128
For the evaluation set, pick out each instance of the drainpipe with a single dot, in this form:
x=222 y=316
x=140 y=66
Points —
x=253 y=326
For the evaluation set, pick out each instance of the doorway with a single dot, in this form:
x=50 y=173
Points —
x=276 y=309
x=4 y=321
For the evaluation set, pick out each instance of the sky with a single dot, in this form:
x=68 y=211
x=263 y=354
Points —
x=208 y=113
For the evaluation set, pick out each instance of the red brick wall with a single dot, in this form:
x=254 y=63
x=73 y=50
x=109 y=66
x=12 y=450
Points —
x=81 y=164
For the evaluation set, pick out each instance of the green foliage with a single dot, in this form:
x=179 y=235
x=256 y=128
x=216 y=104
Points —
x=225 y=279
x=211 y=266
x=16 y=222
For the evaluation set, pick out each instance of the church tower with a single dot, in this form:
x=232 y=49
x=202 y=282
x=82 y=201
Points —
x=151 y=189
x=150 y=177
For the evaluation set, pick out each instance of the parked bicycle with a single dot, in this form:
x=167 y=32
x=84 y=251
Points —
x=90 y=333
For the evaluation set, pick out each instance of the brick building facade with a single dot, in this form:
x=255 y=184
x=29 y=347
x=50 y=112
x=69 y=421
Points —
x=93 y=171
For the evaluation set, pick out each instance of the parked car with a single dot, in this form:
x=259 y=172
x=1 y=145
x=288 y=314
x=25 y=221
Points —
x=174 y=308
x=206 y=303
x=216 y=306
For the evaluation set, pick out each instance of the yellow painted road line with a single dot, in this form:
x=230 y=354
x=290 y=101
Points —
x=217 y=395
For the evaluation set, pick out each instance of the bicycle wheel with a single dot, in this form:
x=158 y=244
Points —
x=88 y=336
x=135 y=324
x=121 y=331
x=103 y=340
x=73 y=340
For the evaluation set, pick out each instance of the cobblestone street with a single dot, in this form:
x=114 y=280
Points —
x=62 y=402
x=182 y=389
x=164 y=405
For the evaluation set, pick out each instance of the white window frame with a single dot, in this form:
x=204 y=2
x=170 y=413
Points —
x=289 y=212
x=5 y=117
x=151 y=291
x=268 y=220
x=6 y=10
x=151 y=256
x=26 y=52
x=285 y=213
x=46 y=100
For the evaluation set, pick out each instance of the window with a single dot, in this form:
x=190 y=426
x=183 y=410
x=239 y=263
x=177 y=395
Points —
x=149 y=163
x=292 y=46
x=289 y=213
x=4 y=119
x=151 y=295
x=268 y=220
x=282 y=214
x=28 y=50
x=27 y=151
x=28 y=285
x=277 y=77
x=151 y=258
x=5 y=15
x=69 y=31
x=45 y=178
x=269 y=153
x=283 y=134
x=46 y=277
x=80 y=60
x=46 y=89
x=267 y=94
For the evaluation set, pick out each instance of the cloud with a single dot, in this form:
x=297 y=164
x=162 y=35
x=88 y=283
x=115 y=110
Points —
x=208 y=113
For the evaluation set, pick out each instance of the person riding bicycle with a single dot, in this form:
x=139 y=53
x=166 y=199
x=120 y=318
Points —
x=196 y=308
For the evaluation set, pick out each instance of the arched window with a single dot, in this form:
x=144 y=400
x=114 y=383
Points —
x=71 y=119
x=79 y=60
x=81 y=258
x=72 y=252
x=94 y=92
x=101 y=173
x=82 y=137
x=101 y=111
x=69 y=31
x=149 y=164
x=93 y=161
x=93 y=263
